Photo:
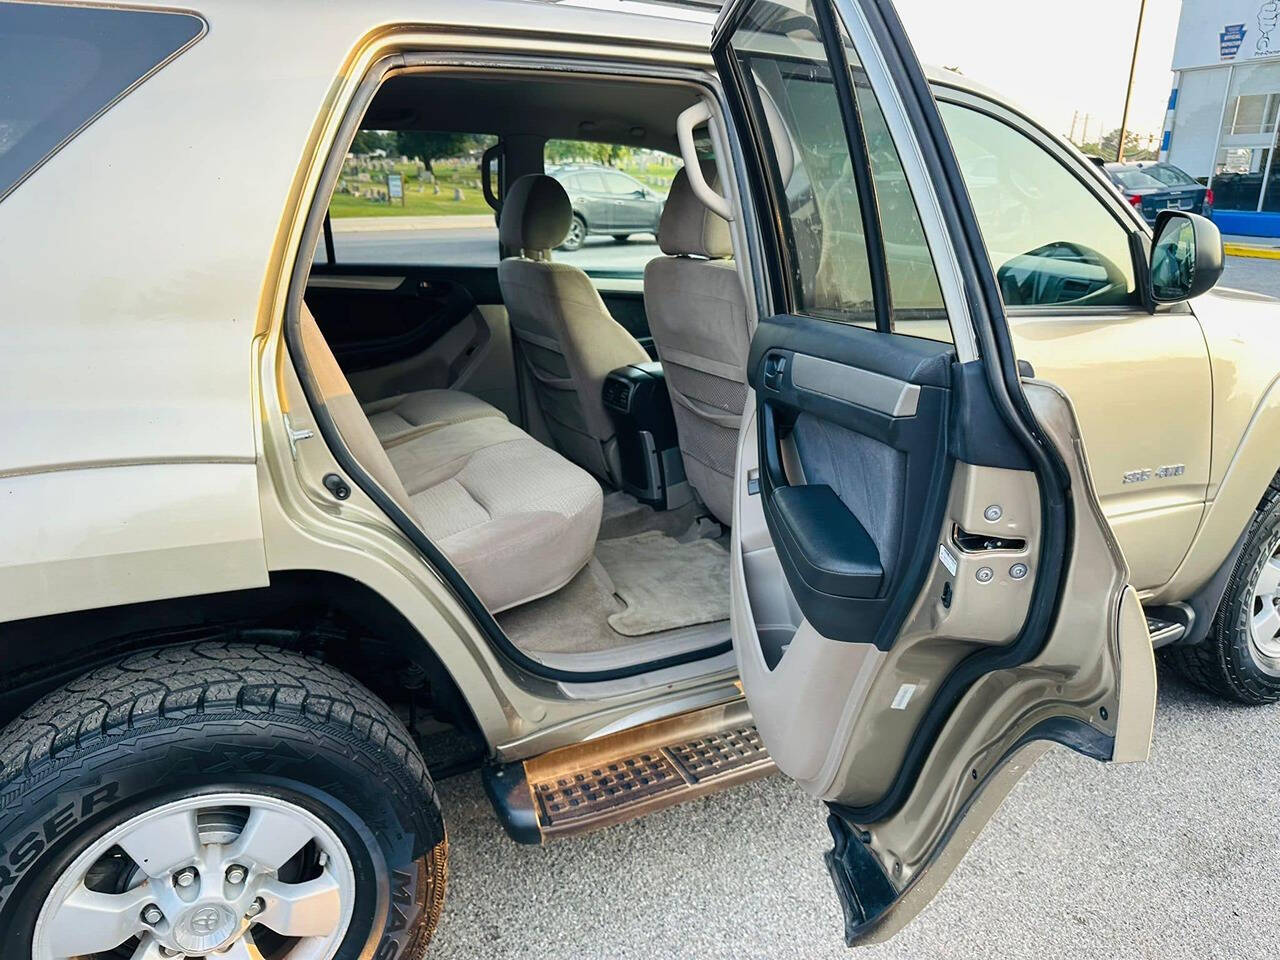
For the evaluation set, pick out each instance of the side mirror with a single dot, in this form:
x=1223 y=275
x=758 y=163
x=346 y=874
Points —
x=1187 y=258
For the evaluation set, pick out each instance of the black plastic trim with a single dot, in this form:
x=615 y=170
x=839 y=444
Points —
x=910 y=359
x=1204 y=602
x=979 y=434
x=513 y=804
x=830 y=550
x=862 y=888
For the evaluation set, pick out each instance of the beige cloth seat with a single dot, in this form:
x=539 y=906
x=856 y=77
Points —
x=698 y=317
x=515 y=518
x=408 y=415
x=568 y=340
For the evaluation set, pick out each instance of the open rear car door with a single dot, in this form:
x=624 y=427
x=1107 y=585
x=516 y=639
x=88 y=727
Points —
x=925 y=591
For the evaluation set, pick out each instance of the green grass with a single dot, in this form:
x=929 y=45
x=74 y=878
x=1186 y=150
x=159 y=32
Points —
x=420 y=201
x=419 y=198
x=415 y=205
x=656 y=175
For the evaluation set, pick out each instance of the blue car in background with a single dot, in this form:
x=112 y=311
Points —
x=1154 y=187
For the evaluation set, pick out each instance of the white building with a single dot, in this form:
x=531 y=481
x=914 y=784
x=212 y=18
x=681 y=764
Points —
x=1221 y=126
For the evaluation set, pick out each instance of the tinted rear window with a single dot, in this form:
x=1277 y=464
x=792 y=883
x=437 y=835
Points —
x=1135 y=179
x=61 y=66
x=1171 y=175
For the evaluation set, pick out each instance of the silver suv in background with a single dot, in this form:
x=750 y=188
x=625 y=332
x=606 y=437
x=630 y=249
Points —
x=607 y=202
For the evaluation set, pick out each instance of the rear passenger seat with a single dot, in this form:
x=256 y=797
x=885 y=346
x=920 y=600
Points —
x=516 y=518
x=403 y=417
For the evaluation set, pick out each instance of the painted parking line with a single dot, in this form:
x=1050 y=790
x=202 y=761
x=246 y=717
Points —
x=1257 y=253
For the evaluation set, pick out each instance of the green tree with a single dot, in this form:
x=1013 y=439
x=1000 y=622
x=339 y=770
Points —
x=367 y=141
x=1106 y=149
x=426 y=146
x=586 y=151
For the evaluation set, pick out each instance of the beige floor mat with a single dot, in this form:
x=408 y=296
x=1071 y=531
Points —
x=665 y=584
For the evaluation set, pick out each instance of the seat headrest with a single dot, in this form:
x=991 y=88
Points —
x=688 y=227
x=536 y=214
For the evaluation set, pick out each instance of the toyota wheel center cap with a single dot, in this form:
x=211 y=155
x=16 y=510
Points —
x=205 y=927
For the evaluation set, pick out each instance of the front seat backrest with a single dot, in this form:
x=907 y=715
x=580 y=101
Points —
x=698 y=318
x=568 y=340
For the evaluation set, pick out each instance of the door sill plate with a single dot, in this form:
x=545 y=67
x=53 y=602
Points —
x=625 y=775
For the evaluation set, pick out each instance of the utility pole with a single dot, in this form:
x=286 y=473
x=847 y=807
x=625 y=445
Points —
x=1133 y=70
x=1075 y=118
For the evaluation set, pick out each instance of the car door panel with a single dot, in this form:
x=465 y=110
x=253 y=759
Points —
x=953 y=594
x=869 y=442
x=396 y=329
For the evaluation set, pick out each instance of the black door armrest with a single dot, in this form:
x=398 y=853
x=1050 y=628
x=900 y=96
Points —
x=831 y=551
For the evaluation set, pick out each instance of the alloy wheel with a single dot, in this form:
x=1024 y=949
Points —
x=576 y=235
x=227 y=876
x=1264 y=615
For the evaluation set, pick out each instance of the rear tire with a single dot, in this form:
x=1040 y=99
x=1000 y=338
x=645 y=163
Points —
x=1240 y=658
x=576 y=236
x=220 y=733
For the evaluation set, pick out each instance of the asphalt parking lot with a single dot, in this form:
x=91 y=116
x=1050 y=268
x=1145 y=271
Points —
x=1169 y=859
x=1260 y=276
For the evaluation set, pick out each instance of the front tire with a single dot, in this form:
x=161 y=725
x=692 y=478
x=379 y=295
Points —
x=217 y=797
x=1240 y=659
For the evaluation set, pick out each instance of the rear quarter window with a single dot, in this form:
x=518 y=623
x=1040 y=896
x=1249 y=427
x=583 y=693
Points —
x=62 y=66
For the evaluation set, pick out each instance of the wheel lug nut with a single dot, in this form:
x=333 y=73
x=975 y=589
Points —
x=236 y=874
x=151 y=915
x=256 y=907
x=185 y=878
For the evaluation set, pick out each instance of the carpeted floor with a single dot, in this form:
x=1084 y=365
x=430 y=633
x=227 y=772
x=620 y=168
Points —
x=654 y=572
x=664 y=583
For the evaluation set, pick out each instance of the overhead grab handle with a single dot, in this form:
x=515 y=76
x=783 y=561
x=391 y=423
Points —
x=699 y=113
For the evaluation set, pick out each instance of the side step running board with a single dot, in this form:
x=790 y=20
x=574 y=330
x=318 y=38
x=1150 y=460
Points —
x=587 y=786
x=1169 y=624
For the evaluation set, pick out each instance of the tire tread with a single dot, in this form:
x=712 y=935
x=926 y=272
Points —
x=183 y=683
x=1211 y=664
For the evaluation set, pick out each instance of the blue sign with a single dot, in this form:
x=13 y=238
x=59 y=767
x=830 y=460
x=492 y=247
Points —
x=1232 y=38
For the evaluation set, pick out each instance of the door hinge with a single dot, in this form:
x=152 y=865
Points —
x=306 y=433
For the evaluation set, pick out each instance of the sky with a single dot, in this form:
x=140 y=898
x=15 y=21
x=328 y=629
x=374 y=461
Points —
x=1055 y=58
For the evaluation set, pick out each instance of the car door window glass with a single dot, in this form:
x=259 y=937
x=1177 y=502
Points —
x=796 y=103
x=617 y=192
x=1051 y=240
x=620 y=186
x=413 y=197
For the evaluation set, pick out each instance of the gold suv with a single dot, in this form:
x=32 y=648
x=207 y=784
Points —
x=885 y=463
